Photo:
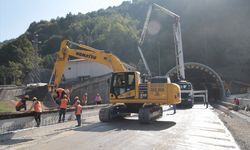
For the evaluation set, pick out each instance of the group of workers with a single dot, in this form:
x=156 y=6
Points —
x=64 y=100
x=37 y=106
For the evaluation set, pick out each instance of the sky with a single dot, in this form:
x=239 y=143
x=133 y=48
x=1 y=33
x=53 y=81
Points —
x=16 y=15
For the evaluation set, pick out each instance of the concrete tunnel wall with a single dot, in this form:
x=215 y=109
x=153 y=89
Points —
x=202 y=77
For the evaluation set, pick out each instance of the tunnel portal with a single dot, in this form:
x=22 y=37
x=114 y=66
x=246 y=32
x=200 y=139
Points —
x=203 y=78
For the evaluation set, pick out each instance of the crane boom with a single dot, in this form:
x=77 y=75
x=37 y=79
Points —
x=170 y=13
x=145 y=27
x=177 y=40
x=144 y=61
x=179 y=50
x=143 y=34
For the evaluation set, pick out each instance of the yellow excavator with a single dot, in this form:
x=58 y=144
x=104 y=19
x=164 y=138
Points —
x=128 y=94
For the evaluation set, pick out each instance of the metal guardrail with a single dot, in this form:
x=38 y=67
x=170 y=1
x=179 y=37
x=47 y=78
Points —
x=203 y=94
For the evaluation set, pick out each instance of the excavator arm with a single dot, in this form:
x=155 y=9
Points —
x=70 y=49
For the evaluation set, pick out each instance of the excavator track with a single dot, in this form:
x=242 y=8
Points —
x=150 y=113
x=110 y=113
x=105 y=114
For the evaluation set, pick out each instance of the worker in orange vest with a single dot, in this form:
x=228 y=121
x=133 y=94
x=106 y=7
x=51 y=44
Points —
x=98 y=99
x=236 y=101
x=60 y=92
x=78 y=113
x=22 y=103
x=85 y=99
x=63 y=107
x=37 y=110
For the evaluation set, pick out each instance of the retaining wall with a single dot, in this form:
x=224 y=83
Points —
x=11 y=93
x=47 y=118
x=93 y=86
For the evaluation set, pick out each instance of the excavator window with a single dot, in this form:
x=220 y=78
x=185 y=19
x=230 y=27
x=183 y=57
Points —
x=122 y=82
x=131 y=79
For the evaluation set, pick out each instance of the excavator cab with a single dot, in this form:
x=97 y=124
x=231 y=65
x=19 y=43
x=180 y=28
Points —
x=123 y=85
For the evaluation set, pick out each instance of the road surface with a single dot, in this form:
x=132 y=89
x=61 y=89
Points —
x=196 y=128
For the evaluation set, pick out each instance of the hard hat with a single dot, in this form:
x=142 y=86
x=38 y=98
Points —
x=76 y=97
x=65 y=96
x=34 y=98
x=98 y=94
x=86 y=94
x=78 y=102
x=26 y=96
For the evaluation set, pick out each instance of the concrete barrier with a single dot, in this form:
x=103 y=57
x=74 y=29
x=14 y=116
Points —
x=47 y=118
x=244 y=101
x=231 y=112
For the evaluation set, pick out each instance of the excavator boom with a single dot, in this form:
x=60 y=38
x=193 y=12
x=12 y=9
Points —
x=81 y=51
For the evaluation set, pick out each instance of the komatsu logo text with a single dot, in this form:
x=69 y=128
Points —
x=86 y=55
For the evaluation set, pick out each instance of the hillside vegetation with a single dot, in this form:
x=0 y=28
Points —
x=214 y=32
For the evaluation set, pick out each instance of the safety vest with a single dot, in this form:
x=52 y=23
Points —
x=98 y=98
x=78 y=109
x=19 y=104
x=236 y=101
x=38 y=107
x=64 y=103
x=60 y=91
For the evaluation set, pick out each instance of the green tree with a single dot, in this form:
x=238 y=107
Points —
x=15 y=72
x=17 y=58
x=3 y=74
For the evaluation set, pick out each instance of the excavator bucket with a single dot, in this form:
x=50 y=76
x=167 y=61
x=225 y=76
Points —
x=49 y=101
x=42 y=94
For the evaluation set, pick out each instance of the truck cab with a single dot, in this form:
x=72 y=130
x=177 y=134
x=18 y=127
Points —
x=187 y=94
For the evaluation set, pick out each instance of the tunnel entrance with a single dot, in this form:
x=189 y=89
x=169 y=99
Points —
x=203 y=78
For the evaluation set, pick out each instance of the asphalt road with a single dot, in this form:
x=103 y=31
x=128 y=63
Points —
x=196 y=128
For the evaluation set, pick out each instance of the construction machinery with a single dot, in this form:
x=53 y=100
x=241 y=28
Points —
x=127 y=93
x=187 y=93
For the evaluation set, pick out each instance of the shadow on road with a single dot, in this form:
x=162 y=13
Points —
x=14 y=141
x=126 y=124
